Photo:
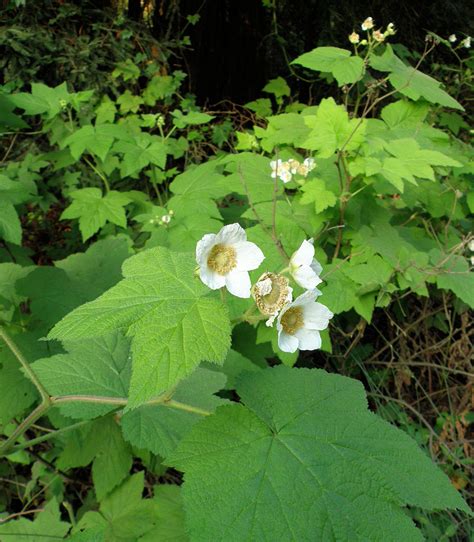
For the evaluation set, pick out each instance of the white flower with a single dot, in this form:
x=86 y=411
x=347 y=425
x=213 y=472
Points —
x=354 y=38
x=226 y=258
x=472 y=260
x=378 y=36
x=276 y=166
x=300 y=322
x=293 y=165
x=390 y=29
x=281 y=169
x=285 y=176
x=470 y=245
x=309 y=163
x=367 y=24
x=304 y=268
x=452 y=38
x=166 y=219
x=466 y=42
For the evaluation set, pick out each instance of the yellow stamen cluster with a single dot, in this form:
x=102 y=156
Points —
x=292 y=320
x=222 y=259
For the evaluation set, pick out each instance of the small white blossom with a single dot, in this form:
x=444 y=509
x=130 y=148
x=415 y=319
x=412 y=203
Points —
x=354 y=38
x=226 y=258
x=472 y=260
x=466 y=42
x=300 y=322
x=304 y=268
x=378 y=36
x=453 y=38
x=470 y=245
x=309 y=163
x=286 y=176
x=390 y=29
x=166 y=219
x=367 y=24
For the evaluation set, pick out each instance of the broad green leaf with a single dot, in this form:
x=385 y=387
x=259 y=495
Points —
x=453 y=274
x=161 y=306
x=169 y=516
x=97 y=140
x=315 y=192
x=339 y=291
x=284 y=129
x=278 y=87
x=191 y=118
x=93 y=209
x=235 y=364
x=159 y=428
x=129 y=103
x=55 y=291
x=10 y=226
x=101 y=443
x=98 y=367
x=404 y=112
x=10 y=273
x=47 y=525
x=139 y=153
x=344 y=67
x=303 y=459
x=331 y=129
x=127 y=514
x=42 y=99
x=128 y=70
x=411 y=82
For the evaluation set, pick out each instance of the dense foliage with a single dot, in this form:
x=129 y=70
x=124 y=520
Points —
x=120 y=370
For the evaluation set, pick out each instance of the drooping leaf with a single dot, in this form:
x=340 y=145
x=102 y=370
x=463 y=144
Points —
x=10 y=226
x=291 y=464
x=161 y=306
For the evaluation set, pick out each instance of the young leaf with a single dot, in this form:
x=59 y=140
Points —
x=344 y=67
x=93 y=209
x=161 y=306
x=305 y=460
x=10 y=226
x=99 y=366
x=160 y=428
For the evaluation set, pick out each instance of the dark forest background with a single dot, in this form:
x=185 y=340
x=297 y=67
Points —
x=229 y=50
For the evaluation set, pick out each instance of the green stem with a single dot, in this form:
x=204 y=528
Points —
x=39 y=411
x=24 y=363
x=48 y=436
x=99 y=173
x=188 y=408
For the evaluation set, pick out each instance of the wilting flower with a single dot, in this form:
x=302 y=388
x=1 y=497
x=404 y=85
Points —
x=466 y=42
x=300 y=322
x=378 y=36
x=354 y=38
x=226 y=258
x=367 y=24
x=452 y=38
x=304 y=268
x=271 y=293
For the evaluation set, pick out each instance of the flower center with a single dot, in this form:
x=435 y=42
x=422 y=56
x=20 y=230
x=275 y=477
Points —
x=292 y=320
x=222 y=259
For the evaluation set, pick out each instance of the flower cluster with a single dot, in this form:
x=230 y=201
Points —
x=285 y=170
x=377 y=35
x=225 y=259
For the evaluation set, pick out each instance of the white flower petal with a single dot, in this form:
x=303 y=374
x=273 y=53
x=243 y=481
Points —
x=231 y=234
x=306 y=278
x=269 y=322
x=203 y=248
x=316 y=316
x=249 y=256
x=304 y=255
x=316 y=267
x=306 y=298
x=287 y=343
x=213 y=280
x=238 y=283
x=308 y=339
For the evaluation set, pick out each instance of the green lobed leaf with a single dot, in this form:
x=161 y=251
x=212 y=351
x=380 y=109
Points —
x=10 y=226
x=344 y=67
x=291 y=464
x=161 y=306
x=93 y=209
